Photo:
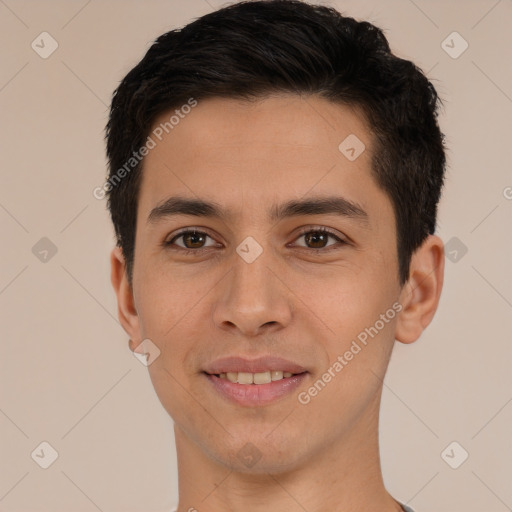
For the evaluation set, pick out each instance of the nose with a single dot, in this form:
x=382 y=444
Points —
x=252 y=299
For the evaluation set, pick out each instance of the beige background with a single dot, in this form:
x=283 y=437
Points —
x=66 y=374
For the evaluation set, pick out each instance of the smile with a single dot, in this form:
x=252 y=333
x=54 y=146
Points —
x=255 y=378
x=255 y=389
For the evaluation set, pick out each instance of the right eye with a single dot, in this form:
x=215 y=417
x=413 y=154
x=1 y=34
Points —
x=193 y=240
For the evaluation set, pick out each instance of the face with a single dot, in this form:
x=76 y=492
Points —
x=290 y=266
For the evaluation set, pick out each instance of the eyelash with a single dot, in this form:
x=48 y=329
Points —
x=303 y=231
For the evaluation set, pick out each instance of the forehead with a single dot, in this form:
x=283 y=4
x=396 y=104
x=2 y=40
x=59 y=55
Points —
x=280 y=121
x=250 y=155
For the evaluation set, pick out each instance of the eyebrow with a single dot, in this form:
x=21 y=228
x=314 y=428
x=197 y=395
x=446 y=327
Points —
x=294 y=208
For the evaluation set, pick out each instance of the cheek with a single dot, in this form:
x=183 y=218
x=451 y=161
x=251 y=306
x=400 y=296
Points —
x=348 y=299
x=360 y=312
x=358 y=359
x=165 y=298
x=174 y=313
x=168 y=312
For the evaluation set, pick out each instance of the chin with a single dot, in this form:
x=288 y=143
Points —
x=261 y=455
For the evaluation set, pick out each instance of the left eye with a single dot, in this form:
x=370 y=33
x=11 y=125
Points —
x=318 y=236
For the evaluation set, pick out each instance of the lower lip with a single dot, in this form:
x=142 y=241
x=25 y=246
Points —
x=256 y=394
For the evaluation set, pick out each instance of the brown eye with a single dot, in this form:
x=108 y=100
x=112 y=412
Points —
x=191 y=239
x=318 y=239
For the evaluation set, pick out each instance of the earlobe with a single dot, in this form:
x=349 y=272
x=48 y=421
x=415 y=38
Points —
x=420 y=295
x=126 y=310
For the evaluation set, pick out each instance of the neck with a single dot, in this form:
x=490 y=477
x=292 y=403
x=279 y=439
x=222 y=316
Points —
x=343 y=477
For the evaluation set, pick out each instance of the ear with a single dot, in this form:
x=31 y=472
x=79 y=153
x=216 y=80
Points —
x=125 y=303
x=420 y=294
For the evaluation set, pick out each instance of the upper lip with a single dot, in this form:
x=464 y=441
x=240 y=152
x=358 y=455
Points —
x=259 y=365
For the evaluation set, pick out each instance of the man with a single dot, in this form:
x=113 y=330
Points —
x=274 y=178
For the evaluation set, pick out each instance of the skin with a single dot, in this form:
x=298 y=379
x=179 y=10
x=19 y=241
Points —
x=292 y=302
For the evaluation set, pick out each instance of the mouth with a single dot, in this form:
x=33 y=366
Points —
x=254 y=382
x=259 y=389
x=259 y=378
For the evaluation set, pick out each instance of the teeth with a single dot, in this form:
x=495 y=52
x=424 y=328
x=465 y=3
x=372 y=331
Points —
x=262 y=378
x=255 y=378
x=245 y=378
